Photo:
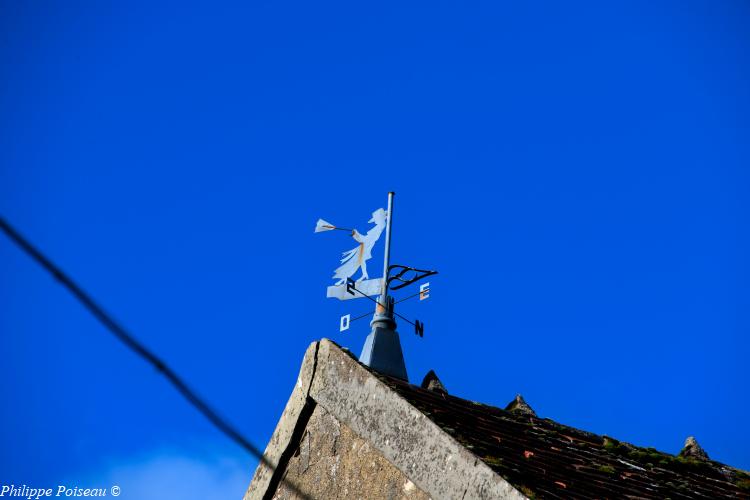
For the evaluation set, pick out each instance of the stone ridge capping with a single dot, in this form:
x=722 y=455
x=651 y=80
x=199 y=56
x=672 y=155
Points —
x=519 y=405
x=692 y=449
x=431 y=382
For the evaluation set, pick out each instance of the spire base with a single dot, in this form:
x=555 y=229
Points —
x=382 y=350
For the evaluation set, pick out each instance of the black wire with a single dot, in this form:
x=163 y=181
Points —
x=142 y=351
x=397 y=302
x=394 y=312
x=360 y=316
x=427 y=290
x=131 y=342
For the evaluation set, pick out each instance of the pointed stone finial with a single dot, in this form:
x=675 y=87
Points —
x=431 y=382
x=518 y=405
x=693 y=450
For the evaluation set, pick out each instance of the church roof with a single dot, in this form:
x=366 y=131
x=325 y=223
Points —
x=545 y=459
x=456 y=448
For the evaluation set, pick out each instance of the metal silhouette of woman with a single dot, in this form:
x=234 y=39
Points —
x=357 y=257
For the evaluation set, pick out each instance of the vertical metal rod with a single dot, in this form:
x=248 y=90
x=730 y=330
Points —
x=387 y=254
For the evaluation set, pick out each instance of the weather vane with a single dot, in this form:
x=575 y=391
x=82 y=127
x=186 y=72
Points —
x=395 y=277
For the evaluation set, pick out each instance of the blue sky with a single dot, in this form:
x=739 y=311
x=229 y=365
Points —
x=577 y=172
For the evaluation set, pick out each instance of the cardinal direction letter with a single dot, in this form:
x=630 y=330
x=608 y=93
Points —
x=345 y=322
x=419 y=328
x=347 y=292
x=424 y=291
